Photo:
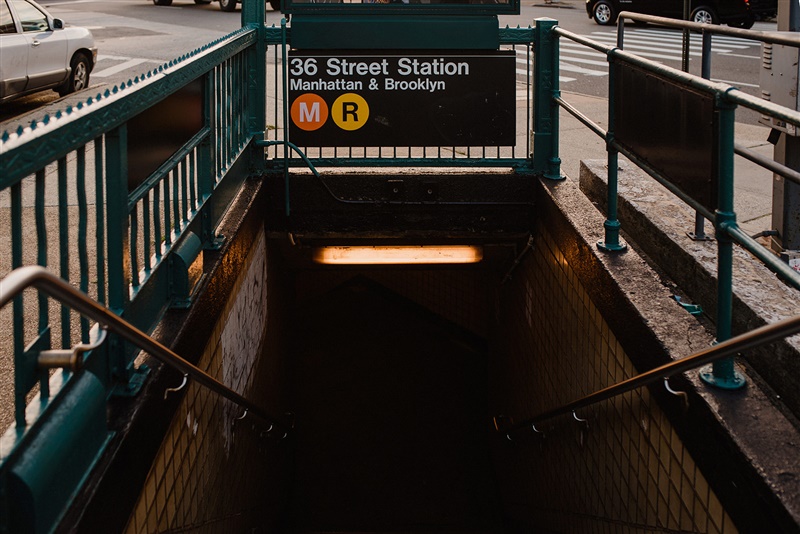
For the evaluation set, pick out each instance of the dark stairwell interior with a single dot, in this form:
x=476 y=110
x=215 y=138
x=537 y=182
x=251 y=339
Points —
x=391 y=411
x=393 y=374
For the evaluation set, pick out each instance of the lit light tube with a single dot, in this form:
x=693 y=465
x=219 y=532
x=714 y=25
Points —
x=391 y=255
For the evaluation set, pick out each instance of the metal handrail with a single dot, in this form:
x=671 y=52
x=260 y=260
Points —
x=36 y=276
x=743 y=342
x=782 y=38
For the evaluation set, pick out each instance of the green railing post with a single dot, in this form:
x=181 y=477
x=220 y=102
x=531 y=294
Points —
x=722 y=373
x=117 y=239
x=256 y=58
x=545 y=108
x=611 y=241
x=206 y=161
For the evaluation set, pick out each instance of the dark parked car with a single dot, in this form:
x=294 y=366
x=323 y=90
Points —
x=737 y=13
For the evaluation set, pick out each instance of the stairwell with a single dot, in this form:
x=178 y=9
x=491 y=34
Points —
x=391 y=414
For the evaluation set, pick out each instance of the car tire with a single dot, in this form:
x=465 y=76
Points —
x=78 y=76
x=603 y=13
x=162 y=2
x=275 y=5
x=227 y=5
x=704 y=15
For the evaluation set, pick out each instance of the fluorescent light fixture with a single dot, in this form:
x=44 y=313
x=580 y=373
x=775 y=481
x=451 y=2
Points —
x=389 y=255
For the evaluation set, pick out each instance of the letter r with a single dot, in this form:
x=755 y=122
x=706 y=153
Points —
x=351 y=109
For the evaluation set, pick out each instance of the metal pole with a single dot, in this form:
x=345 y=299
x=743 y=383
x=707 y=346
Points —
x=699 y=233
x=545 y=77
x=722 y=373
x=611 y=241
x=686 y=14
x=786 y=194
x=554 y=164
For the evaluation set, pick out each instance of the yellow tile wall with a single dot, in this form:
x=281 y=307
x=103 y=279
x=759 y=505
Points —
x=198 y=481
x=629 y=471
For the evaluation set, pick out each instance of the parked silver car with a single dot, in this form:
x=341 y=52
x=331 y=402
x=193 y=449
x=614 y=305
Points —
x=38 y=52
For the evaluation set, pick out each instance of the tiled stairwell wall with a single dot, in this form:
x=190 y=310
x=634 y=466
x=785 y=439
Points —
x=215 y=473
x=625 y=469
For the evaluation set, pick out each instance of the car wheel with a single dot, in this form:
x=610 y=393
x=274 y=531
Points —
x=704 y=15
x=162 y=2
x=275 y=5
x=78 y=77
x=603 y=13
x=227 y=5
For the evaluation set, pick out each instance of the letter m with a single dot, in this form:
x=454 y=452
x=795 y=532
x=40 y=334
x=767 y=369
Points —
x=309 y=115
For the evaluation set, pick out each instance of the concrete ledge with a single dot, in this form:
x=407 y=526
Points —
x=746 y=447
x=657 y=222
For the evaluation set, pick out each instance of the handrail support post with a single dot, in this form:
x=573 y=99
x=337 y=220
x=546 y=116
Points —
x=545 y=107
x=611 y=241
x=722 y=373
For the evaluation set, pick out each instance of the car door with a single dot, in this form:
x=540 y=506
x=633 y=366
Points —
x=47 y=50
x=13 y=55
x=666 y=8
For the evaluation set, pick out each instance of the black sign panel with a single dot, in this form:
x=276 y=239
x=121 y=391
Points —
x=348 y=99
x=679 y=136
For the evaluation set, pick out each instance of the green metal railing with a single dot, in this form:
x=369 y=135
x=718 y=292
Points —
x=727 y=98
x=76 y=207
x=74 y=204
x=125 y=239
x=124 y=235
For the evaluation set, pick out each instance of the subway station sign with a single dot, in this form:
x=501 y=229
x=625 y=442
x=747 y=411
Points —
x=397 y=99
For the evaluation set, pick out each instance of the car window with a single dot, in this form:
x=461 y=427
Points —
x=31 y=19
x=6 y=23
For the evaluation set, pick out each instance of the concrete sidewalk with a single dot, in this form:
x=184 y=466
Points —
x=753 y=185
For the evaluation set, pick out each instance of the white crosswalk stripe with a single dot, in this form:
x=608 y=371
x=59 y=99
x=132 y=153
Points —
x=656 y=44
x=109 y=65
x=576 y=60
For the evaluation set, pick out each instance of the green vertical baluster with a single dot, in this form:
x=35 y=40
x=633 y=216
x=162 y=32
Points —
x=41 y=259
x=159 y=235
x=41 y=245
x=219 y=95
x=193 y=181
x=63 y=246
x=100 y=218
x=184 y=192
x=134 y=248
x=167 y=218
x=83 y=253
x=722 y=373
x=20 y=386
x=176 y=206
x=147 y=237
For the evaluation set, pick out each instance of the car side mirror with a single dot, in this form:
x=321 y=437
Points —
x=58 y=24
